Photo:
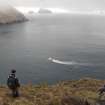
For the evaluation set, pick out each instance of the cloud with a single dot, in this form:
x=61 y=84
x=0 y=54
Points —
x=68 y=4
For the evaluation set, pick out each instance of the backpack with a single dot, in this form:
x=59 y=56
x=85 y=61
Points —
x=11 y=82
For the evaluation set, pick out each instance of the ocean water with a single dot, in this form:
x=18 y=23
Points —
x=52 y=48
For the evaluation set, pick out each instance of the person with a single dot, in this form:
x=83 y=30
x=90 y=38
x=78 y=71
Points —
x=13 y=83
x=101 y=91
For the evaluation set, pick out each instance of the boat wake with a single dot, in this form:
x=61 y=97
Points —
x=67 y=62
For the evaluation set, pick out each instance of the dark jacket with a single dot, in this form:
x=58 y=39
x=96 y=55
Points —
x=13 y=82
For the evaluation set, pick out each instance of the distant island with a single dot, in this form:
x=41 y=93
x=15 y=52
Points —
x=44 y=11
x=8 y=14
x=31 y=12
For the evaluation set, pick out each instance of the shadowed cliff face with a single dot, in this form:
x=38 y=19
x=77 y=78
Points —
x=8 y=14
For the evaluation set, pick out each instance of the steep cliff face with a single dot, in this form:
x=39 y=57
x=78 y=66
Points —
x=8 y=14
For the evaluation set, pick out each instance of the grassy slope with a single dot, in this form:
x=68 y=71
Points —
x=64 y=93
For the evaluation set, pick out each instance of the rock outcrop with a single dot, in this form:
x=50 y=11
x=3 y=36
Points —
x=8 y=14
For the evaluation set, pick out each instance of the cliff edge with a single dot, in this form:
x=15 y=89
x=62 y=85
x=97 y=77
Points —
x=77 y=92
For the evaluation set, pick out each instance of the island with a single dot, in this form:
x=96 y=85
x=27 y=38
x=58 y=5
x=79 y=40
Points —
x=31 y=12
x=9 y=14
x=44 y=11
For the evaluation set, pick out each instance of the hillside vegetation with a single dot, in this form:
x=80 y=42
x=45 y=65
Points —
x=76 y=92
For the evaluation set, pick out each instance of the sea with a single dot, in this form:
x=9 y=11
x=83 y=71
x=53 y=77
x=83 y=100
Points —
x=50 y=48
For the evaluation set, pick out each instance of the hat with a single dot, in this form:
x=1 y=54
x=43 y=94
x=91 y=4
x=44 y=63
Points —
x=13 y=71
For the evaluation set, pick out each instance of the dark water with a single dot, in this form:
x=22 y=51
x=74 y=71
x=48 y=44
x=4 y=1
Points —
x=26 y=47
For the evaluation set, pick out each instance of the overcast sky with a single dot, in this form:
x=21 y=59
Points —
x=65 y=4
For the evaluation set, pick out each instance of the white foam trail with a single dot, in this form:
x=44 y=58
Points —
x=67 y=62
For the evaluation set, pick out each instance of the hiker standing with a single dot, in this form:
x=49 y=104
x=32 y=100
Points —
x=101 y=91
x=13 y=83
